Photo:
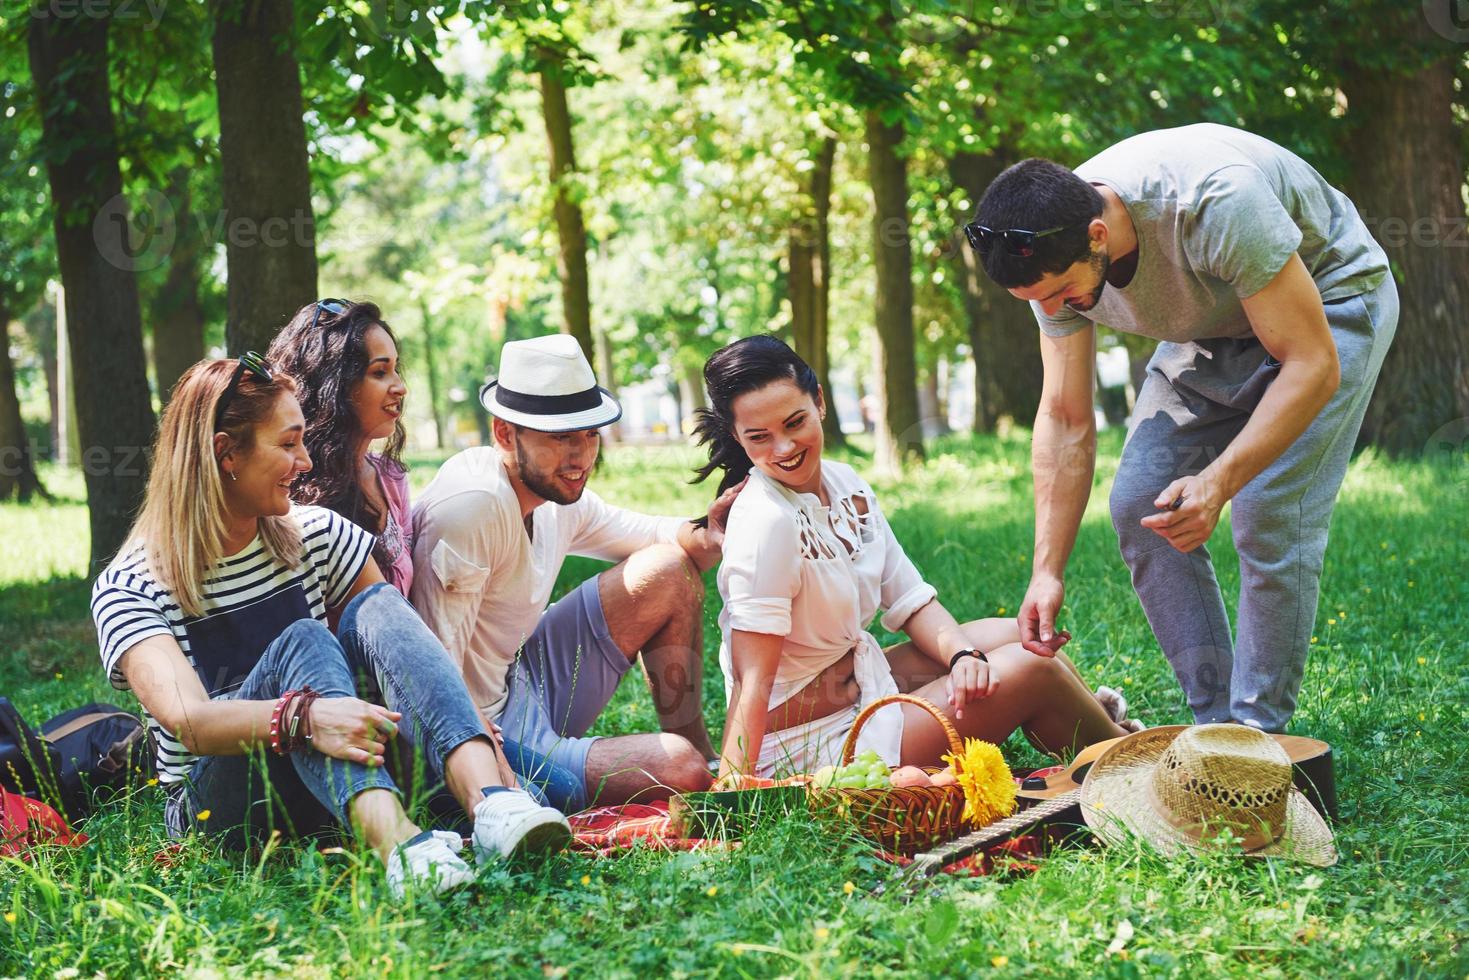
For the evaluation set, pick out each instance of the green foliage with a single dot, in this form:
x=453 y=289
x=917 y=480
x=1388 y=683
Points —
x=1386 y=686
x=27 y=248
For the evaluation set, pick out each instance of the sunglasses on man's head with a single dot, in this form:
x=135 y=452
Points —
x=1017 y=241
x=249 y=361
x=336 y=307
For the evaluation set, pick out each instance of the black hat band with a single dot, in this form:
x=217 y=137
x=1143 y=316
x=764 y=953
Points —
x=519 y=401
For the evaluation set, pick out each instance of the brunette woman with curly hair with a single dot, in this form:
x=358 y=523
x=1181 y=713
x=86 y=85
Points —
x=351 y=390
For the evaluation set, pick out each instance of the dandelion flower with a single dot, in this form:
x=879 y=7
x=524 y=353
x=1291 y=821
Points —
x=202 y=815
x=153 y=781
x=989 y=788
x=848 y=888
x=586 y=879
x=999 y=962
x=10 y=918
x=822 y=932
x=712 y=890
x=1422 y=661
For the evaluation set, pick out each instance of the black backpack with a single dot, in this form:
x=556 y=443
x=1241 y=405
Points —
x=96 y=746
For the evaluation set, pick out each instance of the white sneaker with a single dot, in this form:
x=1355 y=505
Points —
x=510 y=822
x=430 y=859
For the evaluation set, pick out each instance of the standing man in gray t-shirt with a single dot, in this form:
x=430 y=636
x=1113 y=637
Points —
x=1275 y=308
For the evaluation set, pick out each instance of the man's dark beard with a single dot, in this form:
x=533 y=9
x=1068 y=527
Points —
x=541 y=484
x=1099 y=264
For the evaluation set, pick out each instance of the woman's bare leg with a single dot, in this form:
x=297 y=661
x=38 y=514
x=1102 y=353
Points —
x=912 y=668
x=1044 y=696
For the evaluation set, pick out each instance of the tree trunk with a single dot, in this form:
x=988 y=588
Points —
x=17 y=465
x=268 y=226
x=1003 y=334
x=431 y=364
x=931 y=404
x=899 y=436
x=603 y=349
x=1408 y=176
x=810 y=283
x=114 y=415
x=40 y=326
x=866 y=401
x=571 y=264
x=178 y=316
x=691 y=379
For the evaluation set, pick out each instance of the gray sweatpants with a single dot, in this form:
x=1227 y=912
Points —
x=1197 y=397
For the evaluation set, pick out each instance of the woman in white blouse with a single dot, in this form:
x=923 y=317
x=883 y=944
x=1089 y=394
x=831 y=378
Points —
x=809 y=559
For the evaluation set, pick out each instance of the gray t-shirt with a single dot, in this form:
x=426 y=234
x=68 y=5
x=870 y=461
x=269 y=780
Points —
x=1218 y=212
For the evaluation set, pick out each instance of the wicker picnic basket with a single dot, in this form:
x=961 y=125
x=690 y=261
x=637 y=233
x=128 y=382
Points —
x=901 y=820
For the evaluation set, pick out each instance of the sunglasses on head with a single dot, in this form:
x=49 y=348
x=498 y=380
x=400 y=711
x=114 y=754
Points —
x=1017 y=241
x=336 y=307
x=249 y=361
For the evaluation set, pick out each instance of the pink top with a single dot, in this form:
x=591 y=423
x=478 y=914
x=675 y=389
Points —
x=396 y=537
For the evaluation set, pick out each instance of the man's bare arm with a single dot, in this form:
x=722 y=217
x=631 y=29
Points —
x=1063 y=458
x=1290 y=321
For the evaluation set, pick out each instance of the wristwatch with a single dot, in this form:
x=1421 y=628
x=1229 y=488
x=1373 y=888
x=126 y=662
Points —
x=954 y=660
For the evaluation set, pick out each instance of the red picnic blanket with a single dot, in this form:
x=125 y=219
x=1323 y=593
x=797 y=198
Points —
x=606 y=830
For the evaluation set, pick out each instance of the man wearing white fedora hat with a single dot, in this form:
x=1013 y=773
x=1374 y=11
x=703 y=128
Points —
x=491 y=532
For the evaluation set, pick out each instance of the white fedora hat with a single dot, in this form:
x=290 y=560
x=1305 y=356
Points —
x=546 y=384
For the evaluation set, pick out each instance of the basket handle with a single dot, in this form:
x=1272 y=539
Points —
x=849 y=747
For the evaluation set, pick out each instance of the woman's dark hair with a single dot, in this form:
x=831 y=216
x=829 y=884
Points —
x=327 y=353
x=742 y=367
x=1037 y=195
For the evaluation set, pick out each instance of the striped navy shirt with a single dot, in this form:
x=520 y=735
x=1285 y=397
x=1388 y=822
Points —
x=249 y=600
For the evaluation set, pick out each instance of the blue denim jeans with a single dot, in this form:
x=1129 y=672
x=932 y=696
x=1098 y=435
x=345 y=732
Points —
x=382 y=652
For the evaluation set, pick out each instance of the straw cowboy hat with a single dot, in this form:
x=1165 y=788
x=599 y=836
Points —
x=1179 y=786
x=546 y=384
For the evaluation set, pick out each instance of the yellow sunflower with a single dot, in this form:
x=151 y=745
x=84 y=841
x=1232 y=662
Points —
x=989 y=788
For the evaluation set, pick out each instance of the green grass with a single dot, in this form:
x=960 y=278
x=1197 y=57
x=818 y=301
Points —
x=1386 y=685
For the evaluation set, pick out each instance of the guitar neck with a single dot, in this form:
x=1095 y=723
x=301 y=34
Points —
x=929 y=862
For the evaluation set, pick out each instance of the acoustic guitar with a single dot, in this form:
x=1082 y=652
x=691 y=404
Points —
x=1056 y=800
x=1311 y=760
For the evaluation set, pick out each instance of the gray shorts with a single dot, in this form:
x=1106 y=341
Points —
x=561 y=680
